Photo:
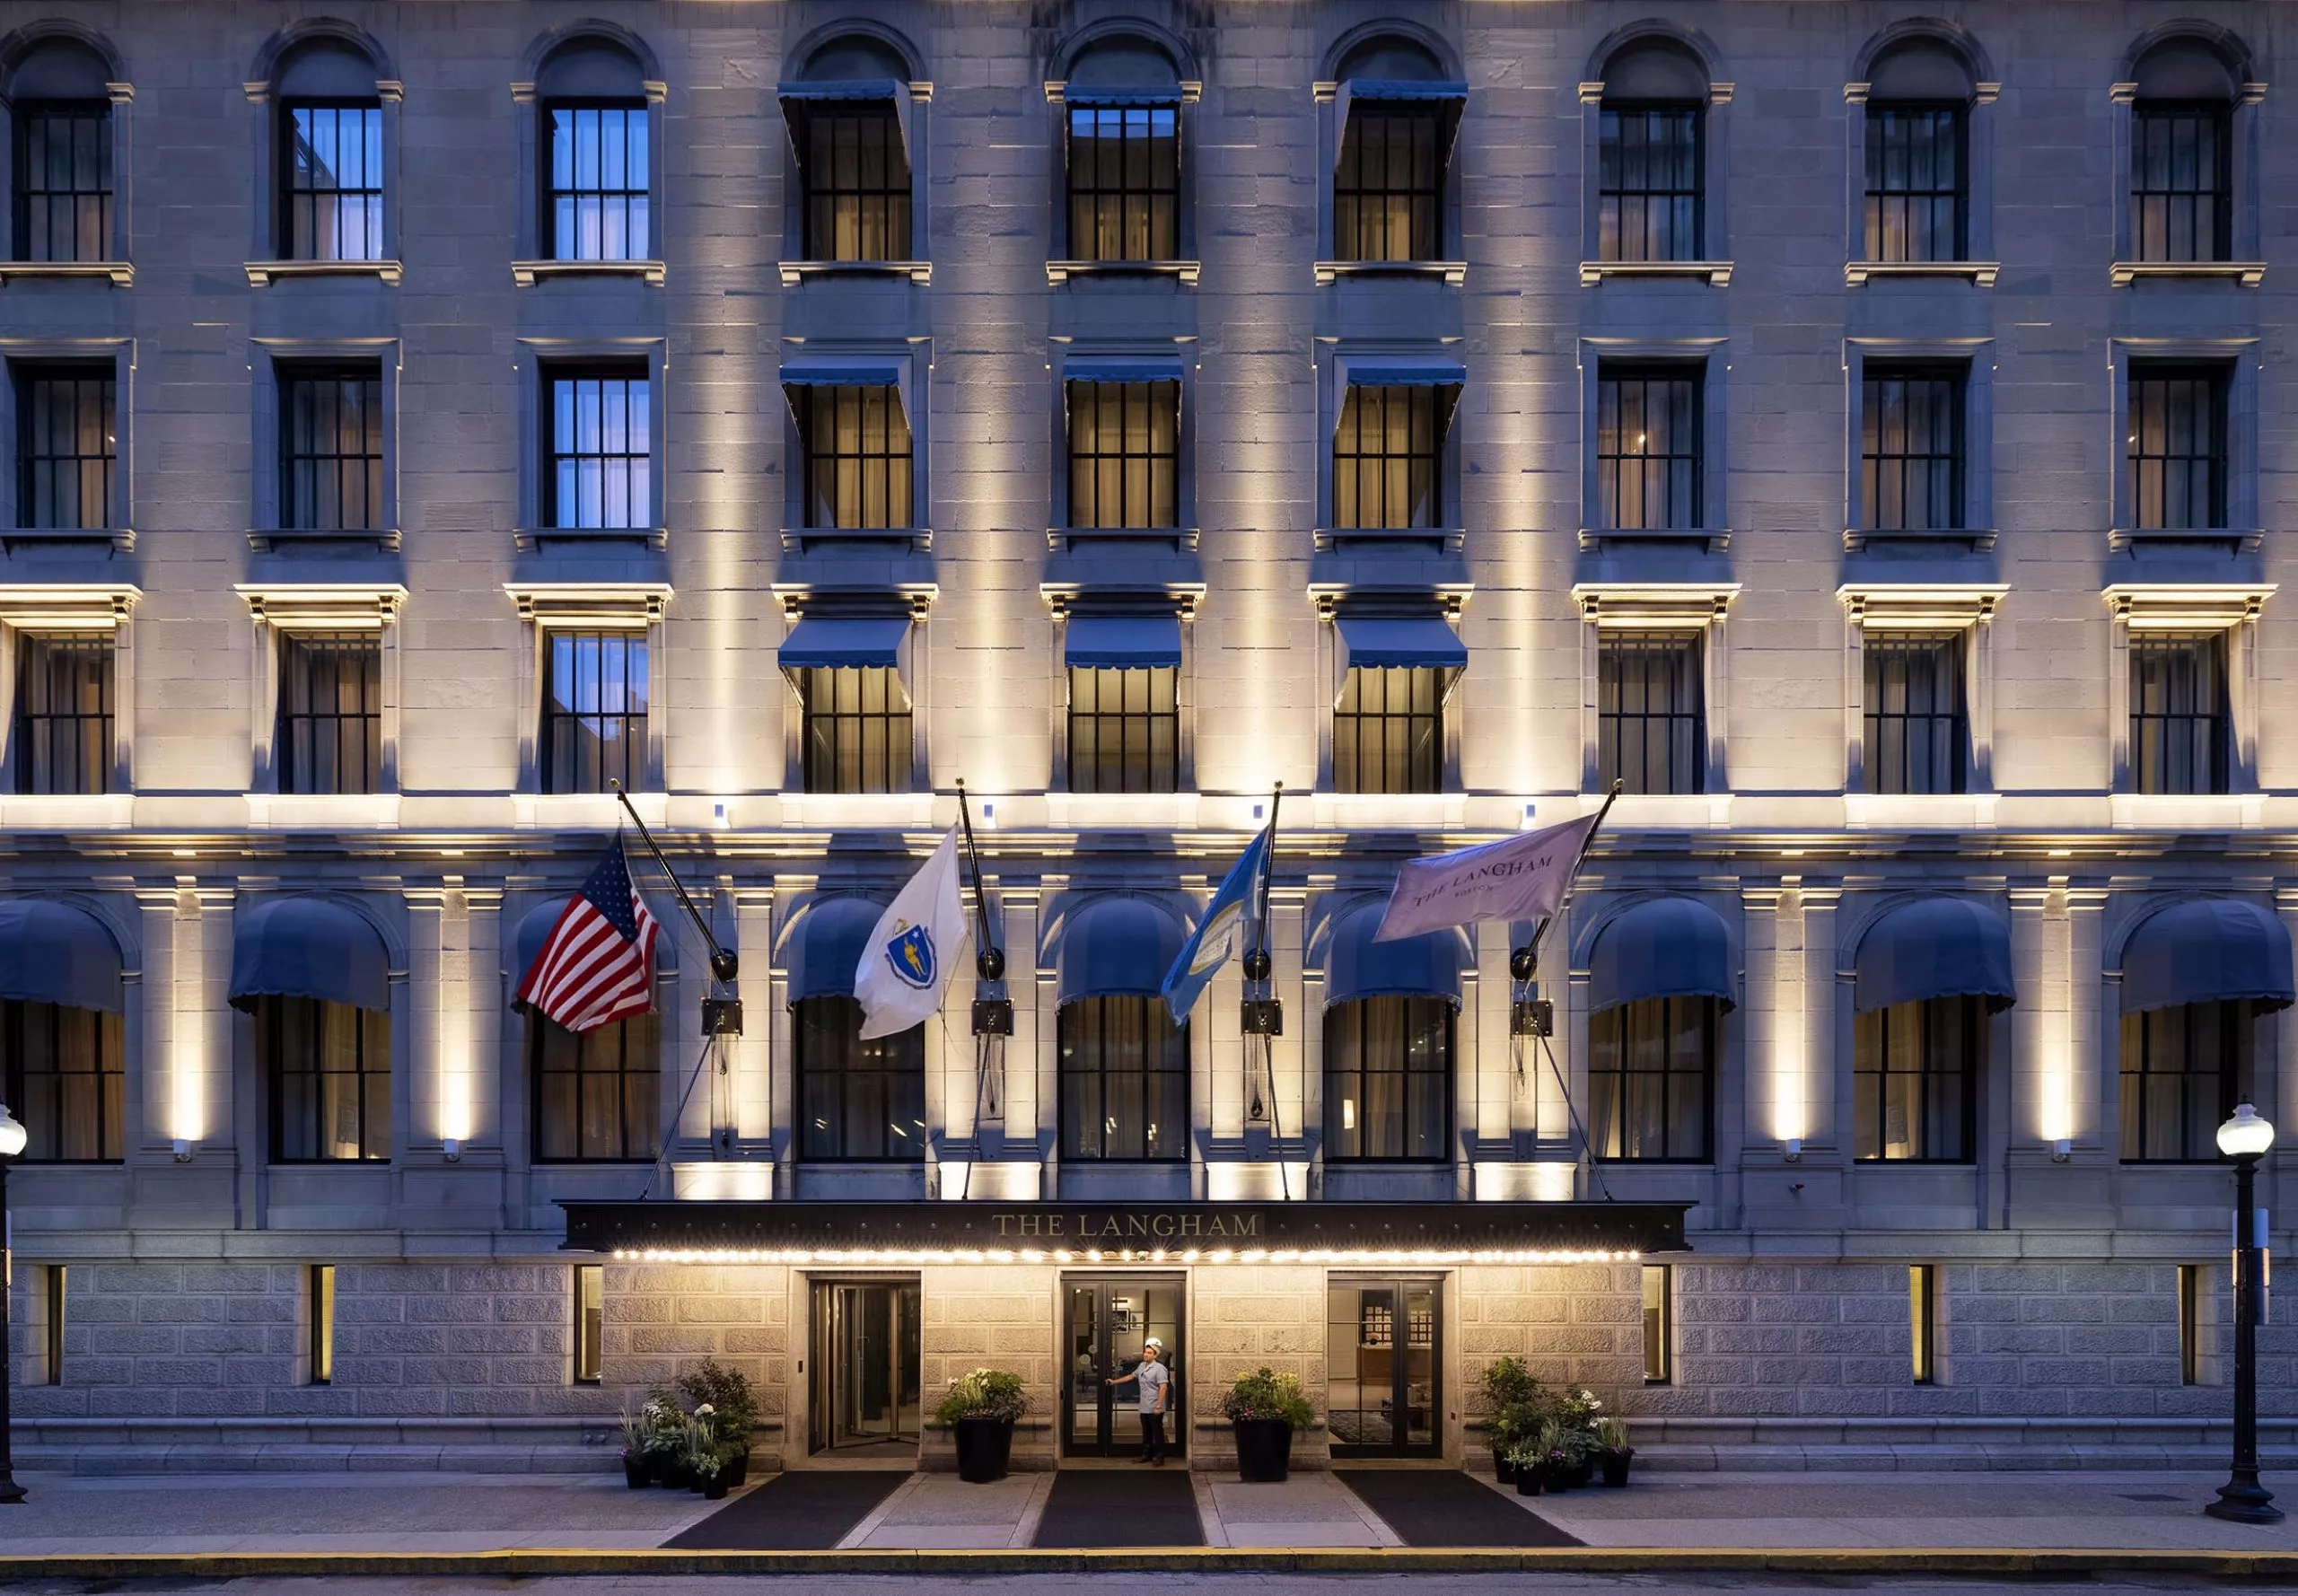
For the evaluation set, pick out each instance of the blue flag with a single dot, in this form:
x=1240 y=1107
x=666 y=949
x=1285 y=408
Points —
x=1235 y=907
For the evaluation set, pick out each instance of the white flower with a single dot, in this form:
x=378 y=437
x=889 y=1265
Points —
x=704 y=1411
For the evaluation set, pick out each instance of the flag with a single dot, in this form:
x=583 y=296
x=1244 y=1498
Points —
x=1519 y=877
x=597 y=966
x=1234 y=906
x=906 y=965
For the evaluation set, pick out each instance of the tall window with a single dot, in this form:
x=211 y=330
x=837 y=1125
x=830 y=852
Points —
x=1389 y=1079
x=1659 y=1323
x=331 y=735
x=857 y=183
x=1651 y=719
x=322 y=1327
x=63 y=714
x=857 y=1101
x=1124 y=454
x=1388 y=191
x=63 y=180
x=330 y=1066
x=858 y=461
x=67 y=1076
x=1123 y=729
x=1923 y=1321
x=66 y=446
x=858 y=730
x=596 y=202
x=1387 y=454
x=1918 y=732
x=1649 y=181
x=599 y=468
x=1918 y=182
x=594 y=711
x=2181 y=180
x=590 y=1323
x=332 y=181
x=1125 y=172
x=1911 y=448
x=331 y=450
x=598 y=1093
x=2176 y=444
x=1649 y=448
x=1124 y=1080
x=1388 y=729
x=2183 y=1071
x=2180 y=723
x=1915 y=1080
x=1652 y=1078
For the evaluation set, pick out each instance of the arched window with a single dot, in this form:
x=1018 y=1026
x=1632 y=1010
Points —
x=596 y=132
x=1651 y=154
x=315 y=976
x=2182 y=154
x=1123 y=1061
x=64 y=177
x=2196 y=978
x=1123 y=124
x=858 y=1102
x=1660 y=982
x=1929 y=974
x=1397 y=119
x=329 y=189
x=1389 y=1029
x=1918 y=188
x=849 y=127
x=62 y=1048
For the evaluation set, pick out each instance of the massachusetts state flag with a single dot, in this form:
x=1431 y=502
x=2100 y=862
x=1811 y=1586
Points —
x=597 y=966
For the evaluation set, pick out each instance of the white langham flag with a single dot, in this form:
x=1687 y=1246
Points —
x=1518 y=878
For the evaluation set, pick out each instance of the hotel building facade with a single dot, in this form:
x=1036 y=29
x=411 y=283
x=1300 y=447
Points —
x=1849 y=428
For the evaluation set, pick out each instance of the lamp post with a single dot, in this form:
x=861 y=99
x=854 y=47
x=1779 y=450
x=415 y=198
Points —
x=13 y=1136
x=2245 y=1138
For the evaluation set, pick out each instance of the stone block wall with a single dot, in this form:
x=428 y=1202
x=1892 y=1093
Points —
x=1579 y=1324
x=992 y=1316
x=1242 y=1318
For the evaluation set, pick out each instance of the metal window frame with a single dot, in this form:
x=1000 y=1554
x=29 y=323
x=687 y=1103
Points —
x=294 y=379
x=1876 y=192
x=539 y=1028
x=820 y=197
x=835 y=724
x=1611 y=202
x=1356 y=1015
x=1930 y=1013
x=554 y=722
x=2153 y=648
x=320 y=1345
x=818 y=444
x=1134 y=726
x=270 y=1016
x=1421 y=730
x=1619 y=1017
x=808 y=1071
x=2140 y=377
x=1664 y=1342
x=1876 y=459
x=1072 y=1068
x=1923 y=1322
x=2160 y=115
x=23 y=192
x=292 y=197
x=32 y=377
x=2137 y=1064
x=111 y=1064
x=588 y=1294
x=1422 y=187
x=56 y=1289
x=1429 y=408
x=1611 y=467
x=1156 y=463
x=1160 y=184
x=637 y=378
x=30 y=724
x=2190 y=1324
x=1611 y=644
x=638 y=111
x=1878 y=726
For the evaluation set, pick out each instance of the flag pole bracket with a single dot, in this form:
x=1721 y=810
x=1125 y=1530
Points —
x=721 y=1016
x=1261 y=1016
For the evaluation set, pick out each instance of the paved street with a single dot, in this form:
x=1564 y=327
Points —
x=1512 y=1583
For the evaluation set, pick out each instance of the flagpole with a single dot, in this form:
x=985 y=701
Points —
x=993 y=1017
x=1269 y=1017
x=1524 y=962
x=725 y=965
x=1524 y=967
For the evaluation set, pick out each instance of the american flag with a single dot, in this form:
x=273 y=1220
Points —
x=598 y=964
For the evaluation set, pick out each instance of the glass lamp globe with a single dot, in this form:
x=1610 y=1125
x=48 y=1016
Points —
x=2245 y=1134
x=12 y=1133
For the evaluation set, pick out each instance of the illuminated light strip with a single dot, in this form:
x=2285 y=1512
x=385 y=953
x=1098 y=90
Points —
x=1330 y=1257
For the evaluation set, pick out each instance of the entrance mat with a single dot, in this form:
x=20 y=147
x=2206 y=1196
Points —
x=1113 y=1507
x=1444 y=1507
x=811 y=1511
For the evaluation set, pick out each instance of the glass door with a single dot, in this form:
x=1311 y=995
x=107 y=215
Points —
x=1383 y=1367
x=864 y=1390
x=1105 y=1322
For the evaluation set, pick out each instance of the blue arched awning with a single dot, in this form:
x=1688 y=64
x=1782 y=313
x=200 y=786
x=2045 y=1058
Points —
x=1358 y=967
x=1935 y=947
x=826 y=949
x=534 y=930
x=2208 y=951
x=307 y=947
x=51 y=952
x=1116 y=947
x=1664 y=947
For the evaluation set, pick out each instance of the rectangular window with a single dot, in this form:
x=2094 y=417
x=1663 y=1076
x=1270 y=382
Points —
x=1651 y=1076
x=1911 y=448
x=1124 y=454
x=63 y=714
x=1388 y=729
x=2181 y=182
x=599 y=461
x=594 y=711
x=63 y=181
x=858 y=462
x=590 y=1323
x=2190 y=1324
x=1389 y=1079
x=1917 y=733
x=331 y=450
x=858 y=730
x=1388 y=190
x=1651 y=725
x=1387 y=455
x=331 y=735
x=66 y=446
x=1124 y=1081
x=598 y=1093
x=331 y=182
x=858 y=1102
x=1915 y=1079
x=1125 y=729
x=1918 y=182
x=2183 y=1071
x=1649 y=162
x=2176 y=446
x=329 y=1069
x=857 y=180
x=1923 y=1316
x=2181 y=722
x=323 y=1347
x=1649 y=448
x=55 y=1284
x=1124 y=174
x=596 y=206
x=66 y=1074
x=1659 y=1324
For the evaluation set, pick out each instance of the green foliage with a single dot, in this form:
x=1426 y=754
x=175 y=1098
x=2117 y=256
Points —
x=664 y=1423
x=1509 y=1384
x=701 y=1449
x=725 y=1397
x=1611 y=1434
x=1266 y=1394
x=985 y=1393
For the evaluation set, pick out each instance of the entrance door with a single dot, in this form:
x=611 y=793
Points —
x=1383 y=1367
x=864 y=1391
x=1107 y=1319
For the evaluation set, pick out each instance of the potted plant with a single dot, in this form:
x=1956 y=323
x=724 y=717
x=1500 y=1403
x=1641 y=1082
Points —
x=638 y=1473
x=1613 y=1453
x=725 y=1396
x=979 y=1410
x=1523 y=1459
x=1263 y=1409
x=665 y=1438
x=1577 y=1409
x=1560 y=1452
x=704 y=1471
x=1511 y=1398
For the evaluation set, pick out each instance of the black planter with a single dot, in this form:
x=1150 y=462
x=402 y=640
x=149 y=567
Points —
x=1584 y=1472
x=714 y=1490
x=1264 y=1448
x=985 y=1448
x=1556 y=1477
x=634 y=1472
x=1503 y=1469
x=738 y=1469
x=672 y=1472
x=1528 y=1481
x=1615 y=1465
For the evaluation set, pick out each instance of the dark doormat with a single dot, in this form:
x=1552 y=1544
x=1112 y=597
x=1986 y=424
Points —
x=1444 y=1507
x=1117 y=1507
x=811 y=1511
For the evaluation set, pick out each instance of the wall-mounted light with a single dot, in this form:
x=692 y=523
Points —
x=717 y=814
x=182 y=1149
x=1530 y=809
x=989 y=813
x=1792 y=1150
x=453 y=1148
x=2062 y=1149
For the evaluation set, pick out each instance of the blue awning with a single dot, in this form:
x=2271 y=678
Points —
x=1122 y=368
x=1449 y=97
x=832 y=640
x=1398 y=88
x=1405 y=371
x=799 y=98
x=1935 y=947
x=2208 y=951
x=1078 y=95
x=1370 y=640
x=1358 y=967
x=1664 y=947
x=1116 y=947
x=51 y=952
x=307 y=947
x=827 y=948
x=1123 y=641
x=842 y=371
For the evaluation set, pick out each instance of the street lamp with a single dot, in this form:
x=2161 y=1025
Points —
x=13 y=1136
x=2245 y=1138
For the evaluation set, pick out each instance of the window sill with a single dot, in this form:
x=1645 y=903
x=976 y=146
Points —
x=796 y=539
x=583 y=811
x=327 y=812
x=1387 y=811
x=1718 y=273
x=794 y=272
x=121 y=538
x=528 y=540
x=883 y=811
x=2249 y=274
x=2202 y=812
x=262 y=273
x=1919 y=811
x=1672 y=812
x=119 y=273
x=2245 y=540
x=1978 y=540
x=1059 y=538
x=265 y=540
x=1058 y=272
x=1713 y=538
x=526 y=274
x=1155 y=812
x=67 y=811
x=1454 y=273
x=1448 y=539
x=1981 y=273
